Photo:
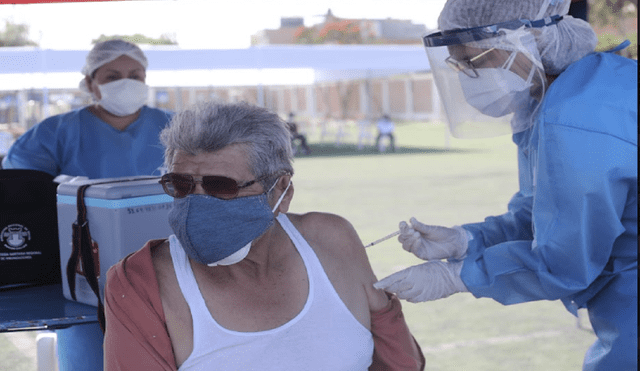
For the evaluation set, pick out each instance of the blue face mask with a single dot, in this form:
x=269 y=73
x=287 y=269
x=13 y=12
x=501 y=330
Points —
x=211 y=230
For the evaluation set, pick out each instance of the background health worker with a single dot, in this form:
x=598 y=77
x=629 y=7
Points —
x=571 y=231
x=116 y=136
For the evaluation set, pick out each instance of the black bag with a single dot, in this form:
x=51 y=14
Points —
x=29 y=245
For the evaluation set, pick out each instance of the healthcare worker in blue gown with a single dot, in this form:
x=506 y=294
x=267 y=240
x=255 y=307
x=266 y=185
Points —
x=116 y=136
x=571 y=231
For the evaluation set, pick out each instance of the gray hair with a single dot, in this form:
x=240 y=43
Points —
x=559 y=45
x=211 y=126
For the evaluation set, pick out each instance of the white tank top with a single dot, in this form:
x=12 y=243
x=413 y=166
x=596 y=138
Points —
x=323 y=336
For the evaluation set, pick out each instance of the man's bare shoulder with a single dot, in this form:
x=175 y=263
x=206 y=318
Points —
x=343 y=256
x=328 y=231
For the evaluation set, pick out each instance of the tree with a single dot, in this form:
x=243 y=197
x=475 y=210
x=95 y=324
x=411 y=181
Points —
x=305 y=35
x=344 y=31
x=340 y=31
x=164 y=39
x=610 y=20
x=607 y=12
x=15 y=34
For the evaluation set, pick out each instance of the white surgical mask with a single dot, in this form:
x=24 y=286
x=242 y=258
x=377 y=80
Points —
x=123 y=97
x=237 y=256
x=497 y=92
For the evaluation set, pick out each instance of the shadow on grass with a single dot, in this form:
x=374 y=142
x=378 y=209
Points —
x=333 y=150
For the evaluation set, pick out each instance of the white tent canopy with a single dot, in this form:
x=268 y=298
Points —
x=27 y=67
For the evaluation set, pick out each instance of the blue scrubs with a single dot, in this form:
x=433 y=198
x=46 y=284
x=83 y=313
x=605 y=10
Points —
x=571 y=232
x=78 y=143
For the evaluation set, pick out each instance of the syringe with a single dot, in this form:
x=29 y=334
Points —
x=383 y=239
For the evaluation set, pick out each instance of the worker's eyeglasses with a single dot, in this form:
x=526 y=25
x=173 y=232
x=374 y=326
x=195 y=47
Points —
x=182 y=185
x=466 y=66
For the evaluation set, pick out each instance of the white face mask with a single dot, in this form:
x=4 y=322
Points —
x=497 y=92
x=123 y=97
x=237 y=256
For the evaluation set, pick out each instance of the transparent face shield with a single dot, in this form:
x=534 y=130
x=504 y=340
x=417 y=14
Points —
x=490 y=79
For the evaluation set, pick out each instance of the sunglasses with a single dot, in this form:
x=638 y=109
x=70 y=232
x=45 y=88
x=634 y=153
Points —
x=182 y=185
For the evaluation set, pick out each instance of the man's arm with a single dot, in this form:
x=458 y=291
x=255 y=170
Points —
x=395 y=347
x=136 y=337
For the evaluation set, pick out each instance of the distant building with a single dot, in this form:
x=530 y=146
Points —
x=284 y=35
x=393 y=31
x=335 y=30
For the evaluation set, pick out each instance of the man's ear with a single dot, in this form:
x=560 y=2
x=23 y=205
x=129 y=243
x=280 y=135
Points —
x=281 y=186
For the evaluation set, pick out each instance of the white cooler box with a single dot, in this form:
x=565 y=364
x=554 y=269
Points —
x=122 y=217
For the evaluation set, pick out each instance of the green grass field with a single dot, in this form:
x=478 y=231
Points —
x=437 y=183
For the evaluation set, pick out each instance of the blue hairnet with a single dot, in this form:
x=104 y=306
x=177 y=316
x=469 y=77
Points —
x=107 y=51
x=559 y=45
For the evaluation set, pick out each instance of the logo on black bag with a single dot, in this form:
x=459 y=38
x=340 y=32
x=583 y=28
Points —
x=15 y=236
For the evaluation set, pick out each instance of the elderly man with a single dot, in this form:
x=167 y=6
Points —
x=242 y=284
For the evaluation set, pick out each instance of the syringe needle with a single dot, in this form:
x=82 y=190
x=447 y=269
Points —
x=383 y=238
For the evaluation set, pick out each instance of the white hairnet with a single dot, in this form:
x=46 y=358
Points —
x=559 y=45
x=107 y=51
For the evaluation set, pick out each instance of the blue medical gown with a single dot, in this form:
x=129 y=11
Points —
x=78 y=143
x=571 y=232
